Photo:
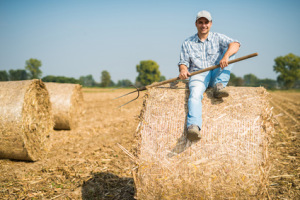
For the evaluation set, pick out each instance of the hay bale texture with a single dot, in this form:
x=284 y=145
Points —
x=25 y=120
x=231 y=159
x=67 y=103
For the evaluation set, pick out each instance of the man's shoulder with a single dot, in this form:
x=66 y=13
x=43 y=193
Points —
x=221 y=36
x=191 y=38
x=216 y=35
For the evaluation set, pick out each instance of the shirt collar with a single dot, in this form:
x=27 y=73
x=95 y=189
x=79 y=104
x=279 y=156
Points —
x=209 y=37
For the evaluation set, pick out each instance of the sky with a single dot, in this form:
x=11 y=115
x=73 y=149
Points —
x=75 y=38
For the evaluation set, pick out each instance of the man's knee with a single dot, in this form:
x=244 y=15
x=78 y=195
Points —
x=196 y=92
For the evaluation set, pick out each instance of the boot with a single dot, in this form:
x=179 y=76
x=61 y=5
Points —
x=193 y=133
x=219 y=91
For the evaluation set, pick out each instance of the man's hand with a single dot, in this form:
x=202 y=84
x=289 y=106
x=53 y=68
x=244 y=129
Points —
x=224 y=61
x=233 y=48
x=184 y=73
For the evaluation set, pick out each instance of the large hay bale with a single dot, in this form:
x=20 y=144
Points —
x=231 y=159
x=25 y=120
x=67 y=104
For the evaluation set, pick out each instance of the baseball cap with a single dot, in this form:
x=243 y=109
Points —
x=204 y=14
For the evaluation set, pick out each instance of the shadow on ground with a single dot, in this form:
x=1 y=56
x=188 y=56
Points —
x=108 y=186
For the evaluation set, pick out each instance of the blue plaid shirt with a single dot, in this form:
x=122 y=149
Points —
x=197 y=55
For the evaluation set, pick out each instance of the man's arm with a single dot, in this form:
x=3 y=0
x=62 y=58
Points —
x=183 y=72
x=233 y=48
x=184 y=62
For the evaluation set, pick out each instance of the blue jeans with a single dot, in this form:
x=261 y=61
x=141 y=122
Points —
x=197 y=86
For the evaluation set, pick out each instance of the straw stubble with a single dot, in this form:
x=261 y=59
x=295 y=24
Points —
x=26 y=120
x=231 y=159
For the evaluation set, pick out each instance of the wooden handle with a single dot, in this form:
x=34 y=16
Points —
x=199 y=71
x=229 y=62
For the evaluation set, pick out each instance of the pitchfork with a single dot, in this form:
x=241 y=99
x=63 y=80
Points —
x=177 y=78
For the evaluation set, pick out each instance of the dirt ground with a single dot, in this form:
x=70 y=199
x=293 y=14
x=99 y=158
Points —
x=87 y=163
x=285 y=145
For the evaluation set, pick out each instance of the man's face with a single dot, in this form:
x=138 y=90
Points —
x=203 y=25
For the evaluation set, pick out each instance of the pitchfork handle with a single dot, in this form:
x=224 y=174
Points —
x=198 y=72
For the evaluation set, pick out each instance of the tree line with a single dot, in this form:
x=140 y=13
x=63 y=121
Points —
x=148 y=73
x=32 y=71
x=288 y=68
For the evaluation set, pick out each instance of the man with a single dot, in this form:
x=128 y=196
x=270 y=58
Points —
x=200 y=51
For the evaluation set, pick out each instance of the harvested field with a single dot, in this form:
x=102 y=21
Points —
x=82 y=164
x=86 y=163
x=285 y=172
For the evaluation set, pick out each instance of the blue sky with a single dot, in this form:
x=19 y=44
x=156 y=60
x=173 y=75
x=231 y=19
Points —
x=74 y=38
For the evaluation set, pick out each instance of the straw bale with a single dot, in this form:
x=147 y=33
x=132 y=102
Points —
x=67 y=104
x=230 y=161
x=25 y=120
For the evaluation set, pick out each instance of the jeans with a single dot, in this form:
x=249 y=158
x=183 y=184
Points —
x=197 y=86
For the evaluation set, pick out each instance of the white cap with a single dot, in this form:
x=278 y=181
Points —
x=204 y=14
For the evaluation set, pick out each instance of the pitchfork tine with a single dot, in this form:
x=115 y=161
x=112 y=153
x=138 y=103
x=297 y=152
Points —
x=126 y=94
x=137 y=90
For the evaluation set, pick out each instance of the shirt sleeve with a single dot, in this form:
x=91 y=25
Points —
x=225 y=41
x=184 y=56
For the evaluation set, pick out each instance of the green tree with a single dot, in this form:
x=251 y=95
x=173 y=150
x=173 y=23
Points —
x=111 y=84
x=60 y=79
x=235 y=81
x=289 y=68
x=297 y=84
x=238 y=81
x=105 y=79
x=87 y=81
x=162 y=78
x=148 y=72
x=267 y=83
x=250 y=80
x=124 y=83
x=33 y=67
x=4 y=75
x=18 y=74
x=232 y=77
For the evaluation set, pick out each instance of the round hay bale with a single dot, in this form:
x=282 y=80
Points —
x=25 y=120
x=67 y=104
x=231 y=159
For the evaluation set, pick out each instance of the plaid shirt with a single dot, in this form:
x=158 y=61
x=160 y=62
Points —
x=197 y=55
